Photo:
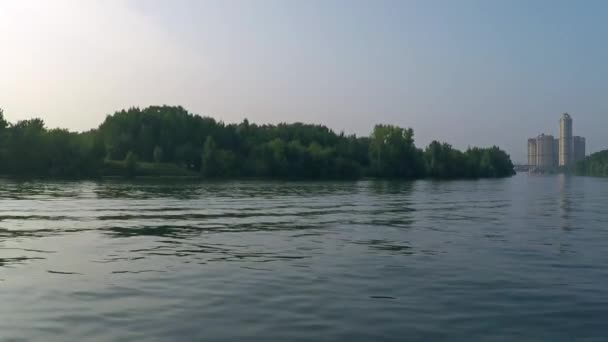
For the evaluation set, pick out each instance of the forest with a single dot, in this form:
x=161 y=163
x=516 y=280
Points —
x=595 y=164
x=170 y=141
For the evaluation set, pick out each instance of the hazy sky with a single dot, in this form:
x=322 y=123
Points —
x=465 y=72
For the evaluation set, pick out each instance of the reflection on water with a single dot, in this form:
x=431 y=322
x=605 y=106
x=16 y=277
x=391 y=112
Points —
x=509 y=259
x=565 y=204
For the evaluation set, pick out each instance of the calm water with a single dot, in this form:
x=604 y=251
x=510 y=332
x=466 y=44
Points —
x=524 y=258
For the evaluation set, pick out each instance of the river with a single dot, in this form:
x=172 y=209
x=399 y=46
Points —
x=517 y=259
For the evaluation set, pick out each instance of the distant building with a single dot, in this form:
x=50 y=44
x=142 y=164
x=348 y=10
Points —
x=532 y=152
x=556 y=152
x=542 y=152
x=566 y=148
x=546 y=152
x=579 y=148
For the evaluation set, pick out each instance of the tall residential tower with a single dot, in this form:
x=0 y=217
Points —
x=566 y=146
x=545 y=157
x=546 y=153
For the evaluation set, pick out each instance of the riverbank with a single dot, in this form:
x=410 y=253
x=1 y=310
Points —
x=121 y=170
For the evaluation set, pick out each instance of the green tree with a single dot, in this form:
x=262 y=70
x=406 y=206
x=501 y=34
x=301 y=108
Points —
x=131 y=164
x=594 y=165
x=209 y=158
x=393 y=154
x=158 y=154
x=3 y=122
x=173 y=135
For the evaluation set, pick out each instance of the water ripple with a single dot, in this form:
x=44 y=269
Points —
x=515 y=259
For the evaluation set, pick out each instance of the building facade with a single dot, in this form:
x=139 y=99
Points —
x=556 y=152
x=532 y=152
x=544 y=151
x=566 y=147
x=579 y=148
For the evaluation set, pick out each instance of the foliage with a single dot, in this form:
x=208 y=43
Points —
x=158 y=154
x=130 y=142
x=131 y=164
x=209 y=167
x=3 y=122
x=118 y=168
x=593 y=165
x=393 y=153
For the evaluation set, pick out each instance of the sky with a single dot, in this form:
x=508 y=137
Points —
x=470 y=73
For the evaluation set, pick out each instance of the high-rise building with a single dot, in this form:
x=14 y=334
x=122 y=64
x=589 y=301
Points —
x=556 y=152
x=531 y=152
x=579 y=148
x=566 y=147
x=544 y=151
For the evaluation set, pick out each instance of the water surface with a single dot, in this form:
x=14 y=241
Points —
x=523 y=258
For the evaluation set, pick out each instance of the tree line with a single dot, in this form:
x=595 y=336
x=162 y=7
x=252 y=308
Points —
x=594 y=165
x=170 y=138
